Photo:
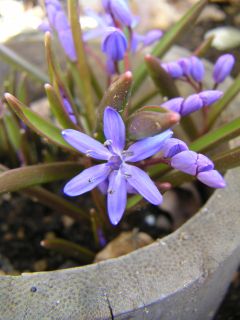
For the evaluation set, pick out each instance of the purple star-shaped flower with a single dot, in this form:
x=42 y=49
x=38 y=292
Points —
x=119 y=176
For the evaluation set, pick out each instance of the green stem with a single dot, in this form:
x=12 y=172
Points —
x=82 y=64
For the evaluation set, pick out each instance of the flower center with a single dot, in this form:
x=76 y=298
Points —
x=115 y=162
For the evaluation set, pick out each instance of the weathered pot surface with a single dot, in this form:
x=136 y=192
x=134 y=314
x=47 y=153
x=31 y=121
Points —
x=183 y=276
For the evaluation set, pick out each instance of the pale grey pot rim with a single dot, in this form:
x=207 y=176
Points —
x=177 y=277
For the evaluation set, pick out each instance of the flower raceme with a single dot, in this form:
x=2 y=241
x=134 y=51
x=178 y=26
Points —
x=193 y=102
x=190 y=162
x=119 y=176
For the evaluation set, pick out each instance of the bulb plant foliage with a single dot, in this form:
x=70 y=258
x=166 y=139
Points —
x=103 y=135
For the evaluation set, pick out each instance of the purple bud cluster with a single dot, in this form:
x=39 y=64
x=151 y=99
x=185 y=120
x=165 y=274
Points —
x=191 y=67
x=193 y=163
x=59 y=23
x=192 y=103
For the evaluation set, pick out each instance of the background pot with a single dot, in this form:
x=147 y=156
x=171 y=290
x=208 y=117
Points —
x=182 y=276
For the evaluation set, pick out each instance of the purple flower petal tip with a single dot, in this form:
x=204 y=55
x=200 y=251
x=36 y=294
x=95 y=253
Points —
x=212 y=178
x=114 y=44
x=210 y=96
x=152 y=36
x=172 y=147
x=223 y=67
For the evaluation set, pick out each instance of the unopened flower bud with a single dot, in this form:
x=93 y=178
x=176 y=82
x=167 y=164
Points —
x=186 y=66
x=172 y=147
x=173 y=68
x=174 y=104
x=114 y=44
x=204 y=163
x=191 y=104
x=197 y=69
x=119 y=10
x=210 y=96
x=211 y=178
x=185 y=161
x=223 y=67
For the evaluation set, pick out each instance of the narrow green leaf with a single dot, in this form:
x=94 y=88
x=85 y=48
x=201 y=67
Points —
x=145 y=99
x=213 y=138
x=57 y=77
x=13 y=130
x=161 y=78
x=24 y=177
x=52 y=200
x=204 y=47
x=21 y=64
x=218 y=107
x=132 y=201
x=58 y=109
x=38 y=124
x=228 y=159
x=55 y=202
x=69 y=248
x=169 y=38
x=82 y=64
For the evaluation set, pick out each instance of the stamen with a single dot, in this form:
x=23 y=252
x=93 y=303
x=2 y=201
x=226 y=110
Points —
x=108 y=143
x=89 y=153
x=127 y=153
x=127 y=175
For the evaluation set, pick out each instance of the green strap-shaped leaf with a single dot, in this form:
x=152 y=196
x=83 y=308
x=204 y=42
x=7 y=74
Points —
x=37 y=123
x=55 y=202
x=161 y=78
x=219 y=106
x=211 y=139
x=57 y=77
x=52 y=200
x=69 y=248
x=20 y=178
x=21 y=64
x=169 y=38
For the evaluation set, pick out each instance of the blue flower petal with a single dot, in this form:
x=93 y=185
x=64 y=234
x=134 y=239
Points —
x=114 y=129
x=86 y=180
x=86 y=144
x=117 y=196
x=147 y=147
x=140 y=181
